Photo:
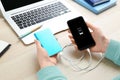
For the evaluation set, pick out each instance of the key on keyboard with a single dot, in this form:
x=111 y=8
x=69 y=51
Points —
x=40 y=14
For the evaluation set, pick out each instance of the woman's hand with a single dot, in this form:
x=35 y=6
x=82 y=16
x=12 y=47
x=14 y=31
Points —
x=43 y=58
x=100 y=39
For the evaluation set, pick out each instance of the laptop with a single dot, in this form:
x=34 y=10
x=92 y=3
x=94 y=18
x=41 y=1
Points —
x=26 y=15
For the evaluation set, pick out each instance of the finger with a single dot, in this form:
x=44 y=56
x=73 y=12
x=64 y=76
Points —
x=69 y=31
x=73 y=41
x=91 y=26
x=70 y=36
x=37 y=44
x=76 y=47
x=53 y=60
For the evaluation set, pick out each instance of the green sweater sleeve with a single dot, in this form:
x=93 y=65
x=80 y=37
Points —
x=50 y=73
x=113 y=53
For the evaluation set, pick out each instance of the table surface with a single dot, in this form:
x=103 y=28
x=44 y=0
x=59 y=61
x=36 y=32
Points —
x=20 y=63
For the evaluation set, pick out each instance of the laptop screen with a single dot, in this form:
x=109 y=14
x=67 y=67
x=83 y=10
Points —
x=13 y=4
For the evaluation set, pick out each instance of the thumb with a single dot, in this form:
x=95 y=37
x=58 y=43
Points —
x=92 y=27
x=38 y=45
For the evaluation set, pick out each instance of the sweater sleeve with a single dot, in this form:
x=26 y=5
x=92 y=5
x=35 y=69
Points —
x=113 y=52
x=117 y=78
x=50 y=73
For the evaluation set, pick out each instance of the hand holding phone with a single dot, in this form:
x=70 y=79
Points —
x=81 y=33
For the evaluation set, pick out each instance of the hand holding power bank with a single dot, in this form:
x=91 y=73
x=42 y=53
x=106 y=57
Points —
x=48 y=41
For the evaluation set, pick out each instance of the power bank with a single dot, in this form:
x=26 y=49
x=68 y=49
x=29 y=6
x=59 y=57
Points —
x=48 y=41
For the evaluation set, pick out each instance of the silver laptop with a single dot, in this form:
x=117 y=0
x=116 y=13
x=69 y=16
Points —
x=26 y=15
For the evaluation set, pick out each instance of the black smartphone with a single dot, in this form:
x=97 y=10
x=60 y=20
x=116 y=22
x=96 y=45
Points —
x=81 y=33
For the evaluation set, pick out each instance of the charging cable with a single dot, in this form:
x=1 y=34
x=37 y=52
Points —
x=74 y=63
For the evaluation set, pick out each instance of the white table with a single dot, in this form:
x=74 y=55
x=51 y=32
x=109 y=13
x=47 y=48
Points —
x=20 y=63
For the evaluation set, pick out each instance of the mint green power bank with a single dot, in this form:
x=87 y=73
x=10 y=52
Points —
x=48 y=41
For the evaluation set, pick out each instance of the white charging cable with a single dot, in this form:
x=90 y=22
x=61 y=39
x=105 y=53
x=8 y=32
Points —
x=74 y=63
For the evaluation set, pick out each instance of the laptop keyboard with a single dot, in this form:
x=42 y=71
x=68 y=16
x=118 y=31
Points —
x=40 y=14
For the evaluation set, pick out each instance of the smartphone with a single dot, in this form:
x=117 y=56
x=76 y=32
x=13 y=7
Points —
x=81 y=33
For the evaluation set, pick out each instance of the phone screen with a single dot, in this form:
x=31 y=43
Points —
x=81 y=33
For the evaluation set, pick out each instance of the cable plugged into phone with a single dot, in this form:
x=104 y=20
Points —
x=81 y=33
x=83 y=40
